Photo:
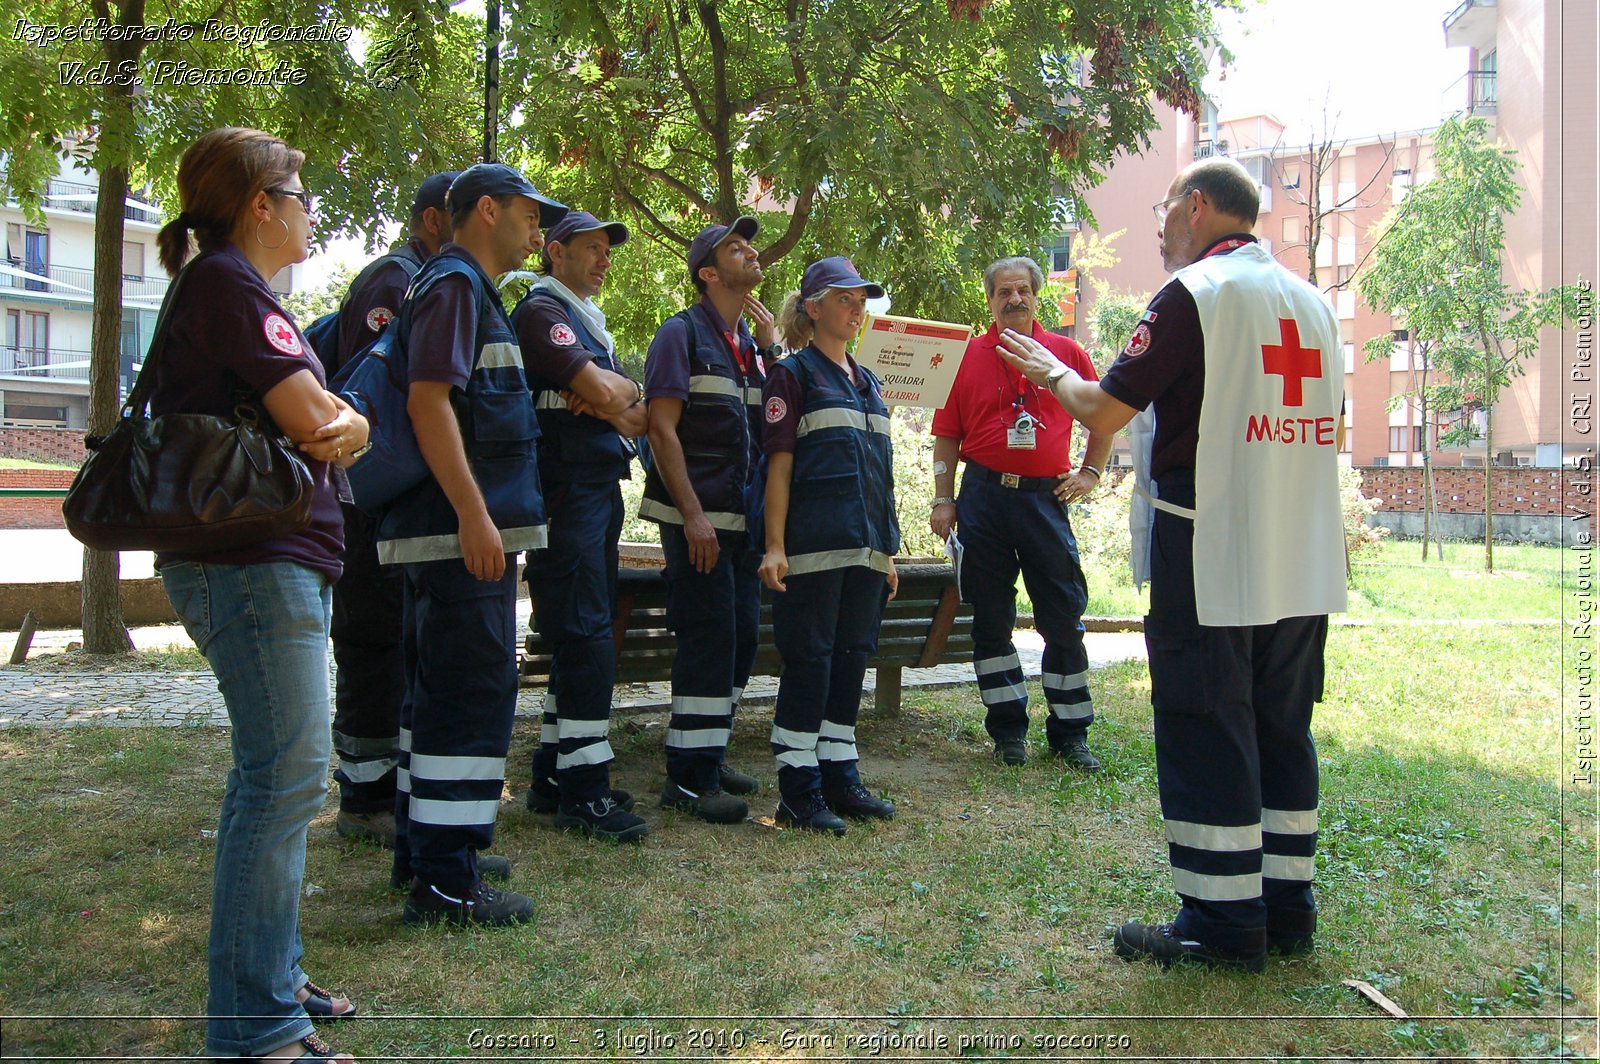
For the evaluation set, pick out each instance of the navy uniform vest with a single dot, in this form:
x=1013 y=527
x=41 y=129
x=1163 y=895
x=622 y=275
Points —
x=841 y=495
x=498 y=431
x=574 y=448
x=720 y=432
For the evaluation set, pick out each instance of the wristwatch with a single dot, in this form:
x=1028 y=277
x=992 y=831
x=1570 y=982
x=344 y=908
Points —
x=359 y=451
x=1055 y=375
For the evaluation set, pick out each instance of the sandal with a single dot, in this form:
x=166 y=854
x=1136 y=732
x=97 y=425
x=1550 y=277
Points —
x=316 y=1051
x=318 y=1004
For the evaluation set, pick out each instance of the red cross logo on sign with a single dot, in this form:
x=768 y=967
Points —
x=935 y=360
x=1291 y=362
x=281 y=335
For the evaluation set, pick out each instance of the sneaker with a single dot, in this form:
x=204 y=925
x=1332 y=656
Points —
x=1011 y=751
x=544 y=796
x=857 y=802
x=602 y=819
x=735 y=782
x=1076 y=753
x=809 y=812
x=490 y=866
x=367 y=827
x=482 y=905
x=714 y=807
x=1158 y=942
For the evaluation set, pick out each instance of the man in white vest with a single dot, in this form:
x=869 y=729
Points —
x=1241 y=361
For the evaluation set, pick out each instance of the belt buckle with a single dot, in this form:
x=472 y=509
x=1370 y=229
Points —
x=1010 y=480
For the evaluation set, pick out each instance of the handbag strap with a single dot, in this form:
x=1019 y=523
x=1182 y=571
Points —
x=138 y=402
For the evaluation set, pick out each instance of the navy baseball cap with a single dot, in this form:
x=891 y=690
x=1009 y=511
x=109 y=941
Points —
x=498 y=179
x=432 y=191
x=835 y=272
x=577 y=222
x=711 y=237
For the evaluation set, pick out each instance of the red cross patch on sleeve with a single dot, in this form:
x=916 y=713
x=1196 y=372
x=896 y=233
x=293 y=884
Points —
x=776 y=409
x=1139 y=342
x=561 y=334
x=281 y=335
x=378 y=317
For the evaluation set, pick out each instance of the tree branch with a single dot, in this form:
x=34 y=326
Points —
x=797 y=225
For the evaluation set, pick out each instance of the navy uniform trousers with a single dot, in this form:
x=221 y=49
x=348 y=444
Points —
x=1235 y=762
x=573 y=584
x=716 y=617
x=371 y=676
x=826 y=628
x=1003 y=530
x=455 y=722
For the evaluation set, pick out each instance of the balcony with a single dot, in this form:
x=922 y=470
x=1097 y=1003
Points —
x=1206 y=149
x=1483 y=91
x=1471 y=24
x=38 y=363
x=81 y=198
x=73 y=283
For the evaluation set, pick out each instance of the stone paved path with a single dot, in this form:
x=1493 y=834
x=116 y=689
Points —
x=31 y=698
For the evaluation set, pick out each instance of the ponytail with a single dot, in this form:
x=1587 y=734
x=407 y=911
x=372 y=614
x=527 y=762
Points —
x=794 y=324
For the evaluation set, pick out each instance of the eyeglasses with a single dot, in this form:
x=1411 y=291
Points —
x=1161 y=209
x=307 y=200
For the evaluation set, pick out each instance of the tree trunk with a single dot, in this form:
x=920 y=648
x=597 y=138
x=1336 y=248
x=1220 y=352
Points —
x=103 y=629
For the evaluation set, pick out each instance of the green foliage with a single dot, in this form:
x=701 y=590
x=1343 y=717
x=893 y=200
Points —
x=1355 y=508
x=1437 y=266
x=308 y=304
x=1112 y=321
x=923 y=139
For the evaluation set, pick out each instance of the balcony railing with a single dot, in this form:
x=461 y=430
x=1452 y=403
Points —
x=72 y=282
x=1483 y=91
x=81 y=198
x=39 y=363
x=1205 y=149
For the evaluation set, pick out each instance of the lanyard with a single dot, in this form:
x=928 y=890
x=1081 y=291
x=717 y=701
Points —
x=1227 y=246
x=738 y=353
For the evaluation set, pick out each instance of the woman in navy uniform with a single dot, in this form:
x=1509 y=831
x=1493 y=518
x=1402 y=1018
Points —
x=831 y=536
x=260 y=613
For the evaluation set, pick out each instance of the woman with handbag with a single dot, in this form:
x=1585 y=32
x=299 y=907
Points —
x=258 y=612
x=831 y=536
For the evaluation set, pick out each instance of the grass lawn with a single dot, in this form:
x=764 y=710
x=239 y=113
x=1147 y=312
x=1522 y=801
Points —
x=1455 y=874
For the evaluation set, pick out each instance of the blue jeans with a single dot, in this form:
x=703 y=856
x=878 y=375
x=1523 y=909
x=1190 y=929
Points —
x=264 y=629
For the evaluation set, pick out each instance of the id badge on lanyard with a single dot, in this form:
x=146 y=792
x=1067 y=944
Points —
x=1023 y=435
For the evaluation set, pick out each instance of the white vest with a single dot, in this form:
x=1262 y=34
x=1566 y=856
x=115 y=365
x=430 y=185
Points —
x=1268 y=535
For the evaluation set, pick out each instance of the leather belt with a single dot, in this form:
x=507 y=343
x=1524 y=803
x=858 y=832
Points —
x=1010 y=480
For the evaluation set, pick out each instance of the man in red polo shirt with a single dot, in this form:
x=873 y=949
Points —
x=1017 y=446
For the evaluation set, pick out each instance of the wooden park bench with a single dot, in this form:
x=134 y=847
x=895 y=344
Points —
x=925 y=625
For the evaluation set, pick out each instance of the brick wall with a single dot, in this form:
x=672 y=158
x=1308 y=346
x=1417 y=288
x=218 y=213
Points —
x=31 y=512
x=1535 y=492
x=43 y=445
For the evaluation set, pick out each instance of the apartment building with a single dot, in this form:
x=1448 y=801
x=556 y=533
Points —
x=1529 y=73
x=47 y=296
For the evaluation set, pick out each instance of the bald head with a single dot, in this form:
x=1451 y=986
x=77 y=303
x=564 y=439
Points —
x=1229 y=187
x=1205 y=202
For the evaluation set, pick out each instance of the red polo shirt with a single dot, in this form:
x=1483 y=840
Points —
x=984 y=402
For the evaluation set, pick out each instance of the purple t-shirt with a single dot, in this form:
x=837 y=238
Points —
x=374 y=304
x=785 y=403
x=666 y=365
x=229 y=336
x=444 y=328
x=551 y=353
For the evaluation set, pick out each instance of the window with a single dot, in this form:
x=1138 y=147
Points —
x=1404 y=438
x=27 y=339
x=1058 y=253
x=36 y=259
x=1291 y=229
x=133 y=260
x=1380 y=459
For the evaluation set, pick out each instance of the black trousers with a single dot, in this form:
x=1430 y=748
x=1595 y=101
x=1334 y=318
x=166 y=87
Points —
x=1235 y=761
x=371 y=671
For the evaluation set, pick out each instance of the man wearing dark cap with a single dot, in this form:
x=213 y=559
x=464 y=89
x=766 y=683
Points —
x=366 y=600
x=455 y=537
x=588 y=411
x=703 y=378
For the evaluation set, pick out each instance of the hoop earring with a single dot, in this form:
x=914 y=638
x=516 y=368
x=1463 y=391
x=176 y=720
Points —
x=279 y=244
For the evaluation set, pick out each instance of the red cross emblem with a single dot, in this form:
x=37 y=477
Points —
x=1291 y=362
x=378 y=317
x=933 y=362
x=281 y=335
x=776 y=408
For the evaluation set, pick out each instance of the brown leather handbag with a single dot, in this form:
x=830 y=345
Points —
x=186 y=482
